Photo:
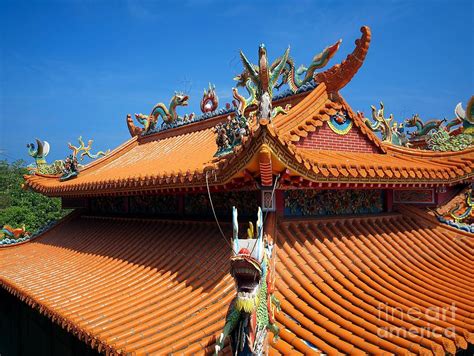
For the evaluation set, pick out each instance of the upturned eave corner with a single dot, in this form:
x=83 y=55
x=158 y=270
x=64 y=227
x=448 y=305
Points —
x=339 y=75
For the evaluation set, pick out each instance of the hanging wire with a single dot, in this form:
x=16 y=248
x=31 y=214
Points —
x=215 y=216
x=217 y=220
x=266 y=213
x=273 y=194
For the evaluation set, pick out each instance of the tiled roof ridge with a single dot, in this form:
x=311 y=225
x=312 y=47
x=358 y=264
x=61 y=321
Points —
x=393 y=149
x=408 y=210
x=210 y=121
x=341 y=74
x=116 y=152
x=46 y=229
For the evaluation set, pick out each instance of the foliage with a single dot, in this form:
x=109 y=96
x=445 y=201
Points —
x=19 y=206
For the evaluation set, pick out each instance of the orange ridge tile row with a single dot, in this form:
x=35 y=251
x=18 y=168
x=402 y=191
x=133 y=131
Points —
x=386 y=166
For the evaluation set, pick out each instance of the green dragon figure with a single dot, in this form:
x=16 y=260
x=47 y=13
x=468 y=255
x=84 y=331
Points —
x=264 y=78
x=85 y=150
x=468 y=211
x=449 y=139
x=168 y=115
x=295 y=78
x=441 y=140
x=243 y=80
x=422 y=128
x=39 y=153
x=251 y=313
x=391 y=132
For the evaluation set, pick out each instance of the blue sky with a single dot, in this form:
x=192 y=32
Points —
x=70 y=68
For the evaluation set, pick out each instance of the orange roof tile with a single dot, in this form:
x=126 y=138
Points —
x=354 y=285
x=126 y=285
x=392 y=168
x=347 y=286
x=177 y=159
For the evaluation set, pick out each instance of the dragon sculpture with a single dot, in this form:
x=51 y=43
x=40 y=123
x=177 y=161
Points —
x=295 y=78
x=459 y=213
x=460 y=138
x=168 y=114
x=339 y=75
x=210 y=100
x=85 y=150
x=264 y=78
x=252 y=312
x=39 y=153
x=391 y=132
x=11 y=233
x=241 y=104
x=422 y=128
x=243 y=80
x=132 y=128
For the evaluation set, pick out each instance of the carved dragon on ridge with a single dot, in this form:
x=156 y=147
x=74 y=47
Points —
x=168 y=114
x=252 y=311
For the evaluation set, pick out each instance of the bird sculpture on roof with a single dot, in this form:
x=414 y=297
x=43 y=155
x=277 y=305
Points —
x=264 y=77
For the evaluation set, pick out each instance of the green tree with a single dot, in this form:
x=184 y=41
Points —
x=19 y=206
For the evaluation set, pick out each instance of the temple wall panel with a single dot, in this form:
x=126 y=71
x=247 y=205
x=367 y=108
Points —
x=326 y=139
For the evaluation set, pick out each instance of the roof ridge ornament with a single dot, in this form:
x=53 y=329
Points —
x=210 y=100
x=391 y=132
x=167 y=114
x=264 y=78
x=252 y=311
x=340 y=74
x=69 y=167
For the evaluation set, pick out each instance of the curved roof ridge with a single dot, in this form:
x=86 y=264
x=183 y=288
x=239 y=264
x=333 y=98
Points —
x=424 y=153
x=340 y=74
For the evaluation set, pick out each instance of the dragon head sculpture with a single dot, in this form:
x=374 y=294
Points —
x=412 y=121
x=179 y=99
x=251 y=313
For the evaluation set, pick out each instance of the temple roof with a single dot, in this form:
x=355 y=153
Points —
x=347 y=286
x=297 y=144
x=180 y=158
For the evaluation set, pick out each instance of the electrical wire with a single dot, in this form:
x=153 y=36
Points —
x=215 y=216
